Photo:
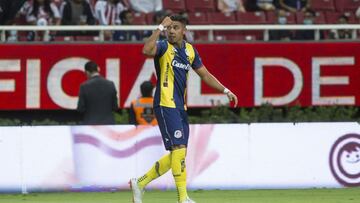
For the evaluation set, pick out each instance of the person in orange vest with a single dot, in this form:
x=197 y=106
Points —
x=141 y=110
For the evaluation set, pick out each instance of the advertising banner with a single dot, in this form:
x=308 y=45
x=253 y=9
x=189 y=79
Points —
x=219 y=156
x=48 y=76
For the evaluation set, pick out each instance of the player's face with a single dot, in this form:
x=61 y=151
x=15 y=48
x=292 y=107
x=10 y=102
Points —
x=176 y=32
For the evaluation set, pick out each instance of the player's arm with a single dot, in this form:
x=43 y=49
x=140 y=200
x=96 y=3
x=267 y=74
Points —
x=210 y=80
x=149 y=48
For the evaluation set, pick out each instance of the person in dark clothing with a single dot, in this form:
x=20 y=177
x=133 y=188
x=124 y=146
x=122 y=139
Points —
x=341 y=34
x=97 y=98
x=8 y=10
x=77 y=12
x=281 y=35
x=127 y=18
x=309 y=19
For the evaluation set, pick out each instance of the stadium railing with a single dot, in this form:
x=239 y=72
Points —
x=210 y=28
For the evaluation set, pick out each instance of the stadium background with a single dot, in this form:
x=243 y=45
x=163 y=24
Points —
x=281 y=85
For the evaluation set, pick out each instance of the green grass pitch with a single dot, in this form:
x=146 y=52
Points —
x=349 y=195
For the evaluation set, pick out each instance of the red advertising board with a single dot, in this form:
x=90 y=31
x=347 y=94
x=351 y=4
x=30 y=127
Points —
x=48 y=76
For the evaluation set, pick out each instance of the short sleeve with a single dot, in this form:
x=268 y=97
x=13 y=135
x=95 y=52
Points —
x=197 y=63
x=161 y=47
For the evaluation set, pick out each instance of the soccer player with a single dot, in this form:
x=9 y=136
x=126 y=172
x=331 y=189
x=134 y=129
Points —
x=173 y=59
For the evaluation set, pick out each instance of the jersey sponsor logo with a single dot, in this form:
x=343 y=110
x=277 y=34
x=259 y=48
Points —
x=177 y=64
x=177 y=134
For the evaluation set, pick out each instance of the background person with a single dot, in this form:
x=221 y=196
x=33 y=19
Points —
x=173 y=58
x=97 y=98
x=141 y=109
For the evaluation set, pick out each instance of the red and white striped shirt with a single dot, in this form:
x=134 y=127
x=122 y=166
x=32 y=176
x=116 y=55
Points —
x=107 y=13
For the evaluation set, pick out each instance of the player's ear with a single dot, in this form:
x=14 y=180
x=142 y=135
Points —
x=184 y=30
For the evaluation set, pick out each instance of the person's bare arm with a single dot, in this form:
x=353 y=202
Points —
x=241 y=7
x=149 y=48
x=210 y=80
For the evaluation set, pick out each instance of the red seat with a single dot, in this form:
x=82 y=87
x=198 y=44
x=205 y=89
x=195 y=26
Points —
x=201 y=5
x=174 y=5
x=224 y=35
x=139 y=18
x=347 y=5
x=63 y=38
x=150 y=18
x=332 y=17
x=86 y=38
x=198 y=18
x=251 y=18
x=272 y=18
x=235 y=36
x=222 y=18
x=323 y=5
x=227 y=35
x=202 y=35
x=319 y=18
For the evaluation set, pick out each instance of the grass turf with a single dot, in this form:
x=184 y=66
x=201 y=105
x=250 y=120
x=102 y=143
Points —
x=349 y=195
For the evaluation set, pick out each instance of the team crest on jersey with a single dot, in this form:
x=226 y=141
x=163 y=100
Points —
x=177 y=134
x=187 y=53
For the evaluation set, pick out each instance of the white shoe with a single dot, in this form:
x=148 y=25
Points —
x=188 y=200
x=137 y=192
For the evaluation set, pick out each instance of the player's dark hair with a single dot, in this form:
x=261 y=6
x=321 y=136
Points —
x=146 y=89
x=91 y=67
x=179 y=18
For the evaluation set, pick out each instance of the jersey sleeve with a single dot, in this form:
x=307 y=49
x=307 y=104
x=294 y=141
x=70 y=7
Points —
x=197 y=63
x=161 y=47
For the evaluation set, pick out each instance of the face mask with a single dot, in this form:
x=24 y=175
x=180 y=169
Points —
x=282 y=20
x=308 y=21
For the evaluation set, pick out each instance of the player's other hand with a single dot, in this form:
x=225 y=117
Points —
x=166 y=22
x=232 y=97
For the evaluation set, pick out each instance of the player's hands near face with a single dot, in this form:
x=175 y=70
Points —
x=166 y=22
x=232 y=97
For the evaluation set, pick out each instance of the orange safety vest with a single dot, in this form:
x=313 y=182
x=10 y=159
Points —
x=144 y=111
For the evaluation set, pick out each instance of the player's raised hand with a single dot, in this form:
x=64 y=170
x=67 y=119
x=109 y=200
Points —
x=166 y=22
x=232 y=97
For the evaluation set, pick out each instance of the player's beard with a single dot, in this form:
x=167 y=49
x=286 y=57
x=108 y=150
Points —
x=174 y=39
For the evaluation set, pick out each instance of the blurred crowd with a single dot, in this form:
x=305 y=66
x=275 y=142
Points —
x=147 y=12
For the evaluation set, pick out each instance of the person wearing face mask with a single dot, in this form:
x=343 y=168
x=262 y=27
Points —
x=341 y=34
x=281 y=35
x=309 y=18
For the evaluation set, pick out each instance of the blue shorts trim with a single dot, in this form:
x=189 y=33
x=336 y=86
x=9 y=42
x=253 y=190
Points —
x=174 y=126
